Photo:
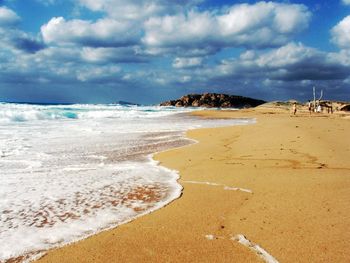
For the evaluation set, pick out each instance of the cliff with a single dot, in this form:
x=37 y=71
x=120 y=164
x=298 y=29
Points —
x=213 y=100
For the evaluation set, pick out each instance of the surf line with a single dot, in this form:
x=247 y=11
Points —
x=229 y=188
x=262 y=253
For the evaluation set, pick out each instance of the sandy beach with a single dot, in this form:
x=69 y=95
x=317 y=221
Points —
x=283 y=183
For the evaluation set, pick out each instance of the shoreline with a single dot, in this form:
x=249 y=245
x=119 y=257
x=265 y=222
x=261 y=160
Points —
x=174 y=192
x=201 y=224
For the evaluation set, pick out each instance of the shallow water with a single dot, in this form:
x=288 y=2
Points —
x=67 y=172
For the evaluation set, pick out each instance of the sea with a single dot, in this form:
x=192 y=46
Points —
x=71 y=171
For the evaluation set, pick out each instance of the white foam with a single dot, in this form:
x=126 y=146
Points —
x=256 y=248
x=39 y=214
x=25 y=112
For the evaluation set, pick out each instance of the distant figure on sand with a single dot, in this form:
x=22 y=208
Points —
x=309 y=106
x=329 y=107
x=294 y=108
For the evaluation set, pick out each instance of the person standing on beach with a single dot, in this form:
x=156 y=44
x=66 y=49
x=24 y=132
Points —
x=309 y=106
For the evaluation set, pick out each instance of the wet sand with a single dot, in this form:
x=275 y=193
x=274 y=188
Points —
x=283 y=183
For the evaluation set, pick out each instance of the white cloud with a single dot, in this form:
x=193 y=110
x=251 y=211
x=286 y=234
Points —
x=341 y=33
x=184 y=79
x=137 y=9
x=191 y=34
x=96 y=73
x=292 y=62
x=342 y=57
x=248 y=55
x=187 y=62
x=281 y=18
x=258 y=25
x=12 y=38
x=8 y=17
x=199 y=51
x=112 y=55
x=289 y=54
x=346 y=2
x=132 y=9
x=104 y=32
x=62 y=54
x=179 y=29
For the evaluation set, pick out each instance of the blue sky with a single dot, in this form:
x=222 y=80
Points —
x=102 y=51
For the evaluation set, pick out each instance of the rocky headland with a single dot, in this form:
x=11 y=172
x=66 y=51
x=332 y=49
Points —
x=213 y=100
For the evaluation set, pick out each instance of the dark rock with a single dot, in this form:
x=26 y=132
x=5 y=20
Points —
x=179 y=104
x=195 y=103
x=213 y=100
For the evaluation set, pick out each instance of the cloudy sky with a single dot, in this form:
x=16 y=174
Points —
x=146 y=51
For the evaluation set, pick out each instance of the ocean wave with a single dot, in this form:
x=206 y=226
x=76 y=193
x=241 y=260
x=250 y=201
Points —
x=10 y=112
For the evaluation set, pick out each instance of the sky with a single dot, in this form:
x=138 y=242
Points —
x=104 y=51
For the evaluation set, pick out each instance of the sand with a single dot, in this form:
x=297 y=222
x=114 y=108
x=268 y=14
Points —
x=283 y=183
